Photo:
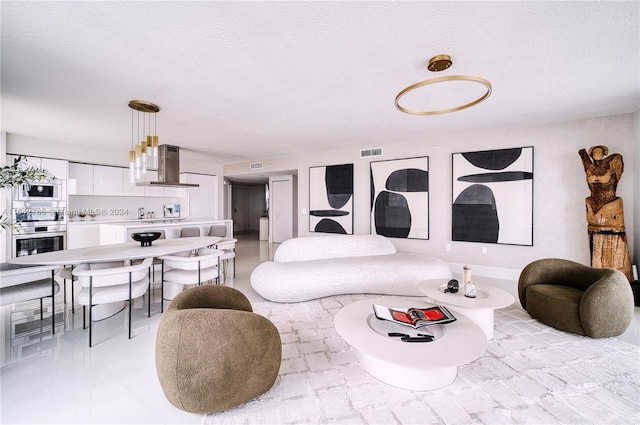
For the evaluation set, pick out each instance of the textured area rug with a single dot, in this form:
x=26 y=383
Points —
x=530 y=374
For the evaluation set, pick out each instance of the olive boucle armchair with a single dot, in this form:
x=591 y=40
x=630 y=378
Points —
x=212 y=352
x=576 y=298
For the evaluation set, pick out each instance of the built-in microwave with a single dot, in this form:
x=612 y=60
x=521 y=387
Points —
x=51 y=190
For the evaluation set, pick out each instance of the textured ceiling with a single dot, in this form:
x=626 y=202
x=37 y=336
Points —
x=248 y=81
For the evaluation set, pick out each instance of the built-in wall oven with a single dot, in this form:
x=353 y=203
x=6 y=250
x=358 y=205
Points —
x=37 y=243
x=40 y=226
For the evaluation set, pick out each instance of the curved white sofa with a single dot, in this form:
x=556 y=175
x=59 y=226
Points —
x=320 y=266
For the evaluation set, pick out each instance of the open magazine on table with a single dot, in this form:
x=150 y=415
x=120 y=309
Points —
x=414 y=317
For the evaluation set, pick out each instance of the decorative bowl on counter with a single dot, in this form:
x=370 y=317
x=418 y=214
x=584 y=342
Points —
x=145 y=238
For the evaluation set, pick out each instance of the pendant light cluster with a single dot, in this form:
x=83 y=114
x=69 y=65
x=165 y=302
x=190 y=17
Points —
x=143 y=155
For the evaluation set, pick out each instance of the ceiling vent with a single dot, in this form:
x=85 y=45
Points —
x=365 y=153
x=255 y=166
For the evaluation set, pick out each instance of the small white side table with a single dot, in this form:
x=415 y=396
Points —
x=417 y=366
x=264 y=228
x=479 y=309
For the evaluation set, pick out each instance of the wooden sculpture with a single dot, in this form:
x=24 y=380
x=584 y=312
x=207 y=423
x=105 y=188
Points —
x=605 y=213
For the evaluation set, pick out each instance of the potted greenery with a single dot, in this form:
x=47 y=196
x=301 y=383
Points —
x=14 y=175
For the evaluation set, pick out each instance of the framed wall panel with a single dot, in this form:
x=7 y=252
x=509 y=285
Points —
x=493 y=196
x=400 y=198
x=331 y=199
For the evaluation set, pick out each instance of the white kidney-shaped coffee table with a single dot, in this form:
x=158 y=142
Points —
x=417 y=366
x=479 y=309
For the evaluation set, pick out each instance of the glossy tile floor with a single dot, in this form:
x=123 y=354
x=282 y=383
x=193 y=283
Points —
x=58 y=379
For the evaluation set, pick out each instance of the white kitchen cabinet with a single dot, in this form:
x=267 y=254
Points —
x=128 y=188
x=152 y=190
x=32 y=161
x=203 y=200
x=102 y=180
x=82 y=235
x=57 y=167
x=80 y=179
x=107 y=181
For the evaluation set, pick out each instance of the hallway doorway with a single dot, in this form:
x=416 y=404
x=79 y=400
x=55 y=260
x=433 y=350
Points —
x=248 y=205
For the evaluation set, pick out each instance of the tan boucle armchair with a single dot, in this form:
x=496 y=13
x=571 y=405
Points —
x=212 y=352
x=576 y=298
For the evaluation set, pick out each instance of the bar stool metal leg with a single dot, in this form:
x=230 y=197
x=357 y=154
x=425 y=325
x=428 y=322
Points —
x=73 y=302
x=90 y=308
x=53 y=303
x=218 y=281
x=129 y=305
x=162 y=287
x=149 y=297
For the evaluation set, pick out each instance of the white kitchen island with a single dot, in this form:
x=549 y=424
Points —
x=111 y=233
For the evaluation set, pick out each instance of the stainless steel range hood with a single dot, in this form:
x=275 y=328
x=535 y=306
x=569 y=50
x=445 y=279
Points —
x=168 y=168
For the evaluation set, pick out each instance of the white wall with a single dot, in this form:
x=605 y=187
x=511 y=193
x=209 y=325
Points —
x=560 y=227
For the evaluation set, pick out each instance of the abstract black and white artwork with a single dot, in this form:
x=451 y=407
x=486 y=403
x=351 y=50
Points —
x=331 y=199
x=493 y=196
x=400 y=198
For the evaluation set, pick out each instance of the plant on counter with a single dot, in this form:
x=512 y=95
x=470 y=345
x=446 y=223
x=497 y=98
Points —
x=15 y=175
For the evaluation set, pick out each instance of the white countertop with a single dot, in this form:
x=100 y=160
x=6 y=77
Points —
x=117 y=252
x=166 y=223
x=145 y=221
x=119 y=232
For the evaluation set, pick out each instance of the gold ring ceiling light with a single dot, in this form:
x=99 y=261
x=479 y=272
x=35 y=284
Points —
x=436 y=64
x=145 y=153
